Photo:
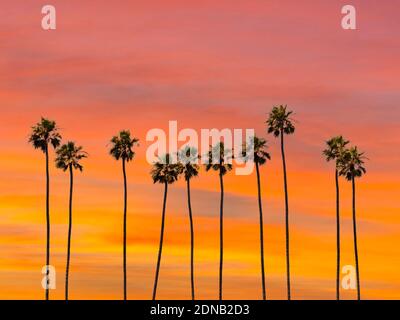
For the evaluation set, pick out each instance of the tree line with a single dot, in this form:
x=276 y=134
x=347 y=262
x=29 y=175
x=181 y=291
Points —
x=349 y=163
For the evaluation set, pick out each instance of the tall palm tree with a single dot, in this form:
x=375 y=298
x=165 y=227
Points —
x=218 y=160
x=335 y=149
x=280 y=123
x=44 y=134
x=166 y=172
x=351 y=166
x=188 y=159
x=69 y=157
x=257 y=146
x=122 y=148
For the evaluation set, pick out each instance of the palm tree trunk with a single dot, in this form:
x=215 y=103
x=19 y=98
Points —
x=286 y=216
x=47 y=222
x=71 y=184
x=355 y=239
x=221 y=234
x=191 y=238
x=161 y=241
x=124 y=231
x=261 y=232
x=337 y=235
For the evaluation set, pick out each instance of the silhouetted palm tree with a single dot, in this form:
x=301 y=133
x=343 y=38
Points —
x=165 y=172
x=43 y=134
x=188 y=159
x=219 y=160
x=122 y=148
x=68 y=158
x=257 y=146
x=280 y=123
x=351 y=166
x=336 y=147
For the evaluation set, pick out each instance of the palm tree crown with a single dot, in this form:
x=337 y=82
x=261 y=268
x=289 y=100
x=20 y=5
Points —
x=44 y=133
x=351 y=164
x=336 y=147
x=257 y=146
x=70 y=155
x=122 y=146
x=279 y=121
x=164 y=171
x=188 y=159
x=218 y=159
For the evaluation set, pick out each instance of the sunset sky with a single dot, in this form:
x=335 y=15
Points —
x=206 y=64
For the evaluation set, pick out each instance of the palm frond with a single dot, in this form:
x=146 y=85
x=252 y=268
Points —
x=255 y=150
x=70 y=155
x=122 y=146
x=335 y=149
x=45 y=133
x=188 y=159
x=219 y=159
x=280 y=121
x=164 y=171
x=351 y=164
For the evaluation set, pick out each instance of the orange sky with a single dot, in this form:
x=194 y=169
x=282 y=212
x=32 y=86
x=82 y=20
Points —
x=137 y=65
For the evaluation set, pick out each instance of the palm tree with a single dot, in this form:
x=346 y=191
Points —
x=280 y=123
x=218 y=160
x=68 y=158
x=44 y=134
x=257 y=146
x=122 y=148
x=335 y=149
x=351 y=166
x=188 y=159
x=165 y=172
